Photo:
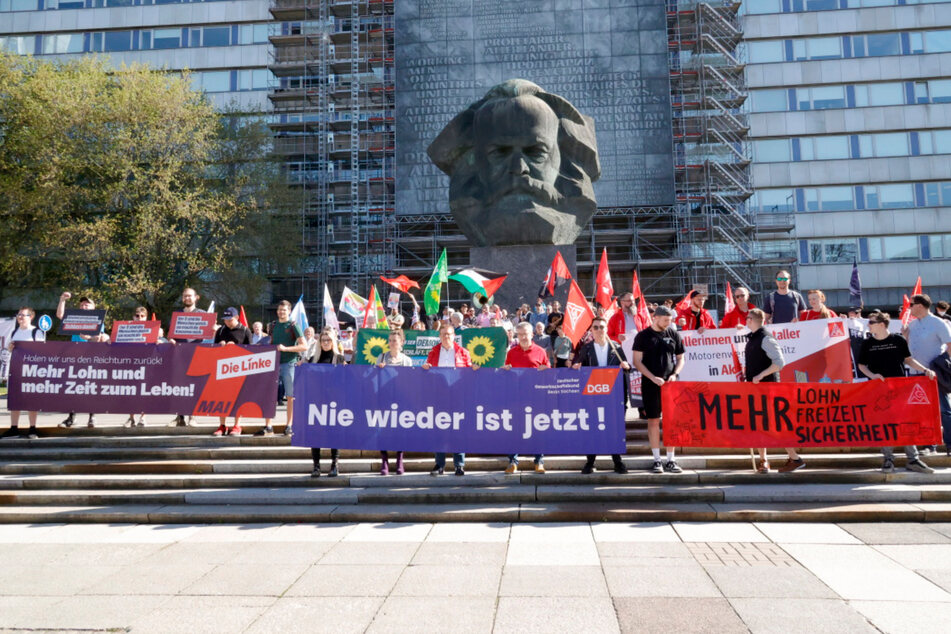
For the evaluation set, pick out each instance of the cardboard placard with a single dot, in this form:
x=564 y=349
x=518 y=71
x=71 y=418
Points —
x=194 y=326
x=81 y=322
x=135 y=331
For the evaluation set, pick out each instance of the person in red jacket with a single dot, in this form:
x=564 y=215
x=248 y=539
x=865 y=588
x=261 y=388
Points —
x=623 y=324
x=737 y=317
x=817 y=307
x=526 y=354
x=695 y=317
x=448 y=354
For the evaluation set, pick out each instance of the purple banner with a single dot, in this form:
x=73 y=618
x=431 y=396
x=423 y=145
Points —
x=155 y=379
x=488 y=410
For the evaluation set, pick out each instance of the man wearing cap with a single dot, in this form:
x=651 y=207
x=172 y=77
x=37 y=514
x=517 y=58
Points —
x=232 y=332
x=659 y=357
x=84 y=304
x=695 y=316
x=783 y=305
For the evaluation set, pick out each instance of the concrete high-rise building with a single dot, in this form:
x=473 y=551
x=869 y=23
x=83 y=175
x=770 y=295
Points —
x=224 y=44
x=850 y=104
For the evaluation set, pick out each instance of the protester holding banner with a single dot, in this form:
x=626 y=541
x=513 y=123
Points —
x=190 y=299
x=817 y=307
x=25 y=331
x=394 y=357
x=526 y=354
x=601 y=352
x=232 y=332
x=764 y=360
x=328 y=354
x=85 y=303
x=659 y=357
x=448 y=354
x=289 y=339
x=928 y=337
x=883 y=355
x=783 y=305
x=141 y=314
x=695 y=316
x=736 y=318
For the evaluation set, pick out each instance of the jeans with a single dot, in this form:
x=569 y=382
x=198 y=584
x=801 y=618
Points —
x=944 y=400
x=539 y=458
x=458 y=460
x=287 y=377
x=911 y=452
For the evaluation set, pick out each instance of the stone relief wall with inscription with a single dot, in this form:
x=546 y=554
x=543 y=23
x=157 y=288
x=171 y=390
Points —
x=607 y=57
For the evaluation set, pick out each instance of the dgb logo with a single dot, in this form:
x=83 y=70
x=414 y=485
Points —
x=601 y=381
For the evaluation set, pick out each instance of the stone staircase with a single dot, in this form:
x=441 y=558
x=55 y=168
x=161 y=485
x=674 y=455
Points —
x=159 y=474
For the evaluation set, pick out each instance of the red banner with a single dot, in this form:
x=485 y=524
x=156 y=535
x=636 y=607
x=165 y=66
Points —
x=898 y=412
x=135 y=331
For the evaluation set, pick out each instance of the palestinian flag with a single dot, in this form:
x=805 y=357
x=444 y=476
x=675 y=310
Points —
x=479 y=280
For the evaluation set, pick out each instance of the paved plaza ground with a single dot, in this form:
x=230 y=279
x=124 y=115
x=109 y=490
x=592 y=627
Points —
x=683 y=577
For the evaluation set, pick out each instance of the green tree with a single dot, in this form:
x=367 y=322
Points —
x=127 y=183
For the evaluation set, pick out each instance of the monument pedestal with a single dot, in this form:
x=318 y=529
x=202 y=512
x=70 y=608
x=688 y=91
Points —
x=526 y=266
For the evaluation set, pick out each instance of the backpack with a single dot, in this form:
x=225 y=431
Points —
x=942 y=370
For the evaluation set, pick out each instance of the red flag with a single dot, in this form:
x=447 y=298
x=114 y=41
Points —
x=642 y=318
x=683 y=304
x=558 y=274
x=917 y=289
x=153 y=316
x=905 y=311
x=371 y=307
x=737 y=366
x=730 y=304
x=578 y=315
x=605 y=289
x=402 y=283
x=243 y=318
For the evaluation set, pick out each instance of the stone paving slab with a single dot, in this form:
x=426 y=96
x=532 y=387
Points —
x=662 y=615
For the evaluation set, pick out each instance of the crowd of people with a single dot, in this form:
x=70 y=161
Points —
x=537 y=340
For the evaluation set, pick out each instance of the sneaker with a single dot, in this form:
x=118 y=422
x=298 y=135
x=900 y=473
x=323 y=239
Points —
x=141 y=422
x=512 y=469
x=437 y=471
x=315 y=473
x=178 y=421
x=927 y=451
x=792 y=465
x=658 y=467
x=288 y=431
x=130 y=422
x=221 y=431
x=333 y=471
x=671 y=466
x=235 y=430
x=460 y=471
x=762 y=466
x=620 y=467
x=191 y=422
x=888 y=466
x=267 y=431
x=588 y=468
x=539 y=467
x=68 y=422
x=918 y=467
x=13 y=432
x=91 y=422
x=32 y=435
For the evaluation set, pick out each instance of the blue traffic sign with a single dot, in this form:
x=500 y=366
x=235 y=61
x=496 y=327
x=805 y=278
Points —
x=45 y=323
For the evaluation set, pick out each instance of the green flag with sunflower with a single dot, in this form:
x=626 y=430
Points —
x=486 y=346
x=433 y=290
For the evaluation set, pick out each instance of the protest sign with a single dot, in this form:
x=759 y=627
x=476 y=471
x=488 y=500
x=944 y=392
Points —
x=446 y=409
x=486 y=346
x=81 y=322
x=393 y=300
x=194 y=326
x=135 y=331
x=154 y=379
x=902 y=411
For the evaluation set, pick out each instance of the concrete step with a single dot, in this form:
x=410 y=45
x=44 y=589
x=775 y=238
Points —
x=527 y=512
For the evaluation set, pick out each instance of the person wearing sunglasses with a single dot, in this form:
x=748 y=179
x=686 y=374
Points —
x=928 y=337
x=783 y=305
x=884 y=355
x=736 y=318
x=601 y=351
x=25 y=331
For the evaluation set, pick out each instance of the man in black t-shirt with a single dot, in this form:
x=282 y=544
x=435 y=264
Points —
x=659 y=357
x=231 y=332
x=882 y=356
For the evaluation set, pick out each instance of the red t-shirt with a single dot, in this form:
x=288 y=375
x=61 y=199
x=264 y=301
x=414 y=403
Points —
x=532 y=358
x=809 y=315
x=736 y=317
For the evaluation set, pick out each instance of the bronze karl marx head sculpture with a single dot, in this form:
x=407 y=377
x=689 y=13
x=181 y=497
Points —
x=521 y=163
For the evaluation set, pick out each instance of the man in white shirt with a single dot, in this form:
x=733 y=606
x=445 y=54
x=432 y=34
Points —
x=928 y=337
x=25 y=331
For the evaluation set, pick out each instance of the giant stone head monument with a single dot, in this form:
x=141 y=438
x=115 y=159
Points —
x=521 y=163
